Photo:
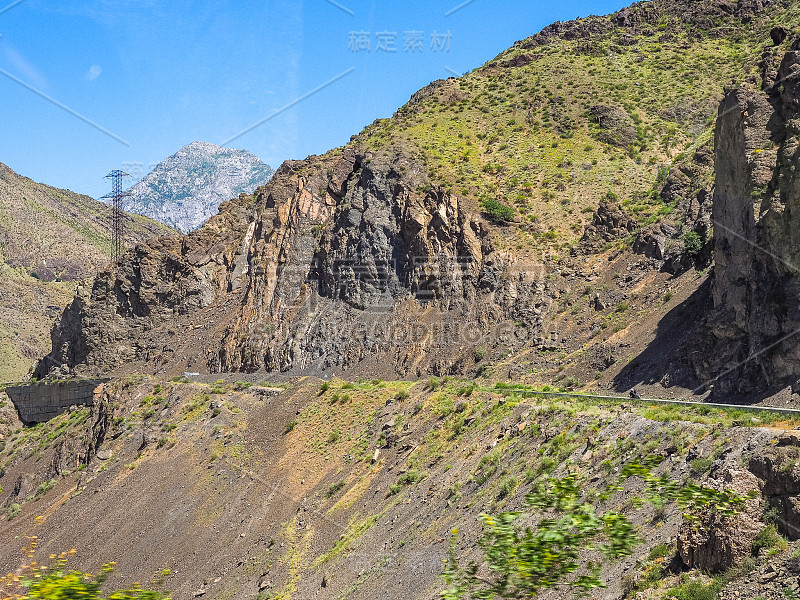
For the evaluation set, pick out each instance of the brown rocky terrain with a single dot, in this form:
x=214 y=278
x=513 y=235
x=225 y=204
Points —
x=285 y=490
x=365 y=261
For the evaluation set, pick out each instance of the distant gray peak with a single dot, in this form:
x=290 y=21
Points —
x=185 y=189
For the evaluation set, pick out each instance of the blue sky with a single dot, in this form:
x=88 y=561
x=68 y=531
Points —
x=137 y=79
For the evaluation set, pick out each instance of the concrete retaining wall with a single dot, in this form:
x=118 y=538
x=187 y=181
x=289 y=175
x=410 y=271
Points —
x=39 y=402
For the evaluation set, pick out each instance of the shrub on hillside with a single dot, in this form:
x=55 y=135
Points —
x=692 y=243
x=497 y=210
x=34 y=581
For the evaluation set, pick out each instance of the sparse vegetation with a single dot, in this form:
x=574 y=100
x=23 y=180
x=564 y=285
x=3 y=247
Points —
x=334 y=489
x=770 y=540
x=497 y=210
x=533 y=143
x=527 y=562
x=55 y=581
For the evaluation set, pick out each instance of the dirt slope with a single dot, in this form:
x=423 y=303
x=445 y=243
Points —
x=277 y=488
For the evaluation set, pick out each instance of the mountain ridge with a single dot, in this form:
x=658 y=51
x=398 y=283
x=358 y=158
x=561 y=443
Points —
x=186 y=188
x=385 y=335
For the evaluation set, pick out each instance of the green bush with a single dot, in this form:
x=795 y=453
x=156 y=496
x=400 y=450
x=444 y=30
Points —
x=410 y=477
x=45 y=487
x=334 y=489
x=56 y=582
x=487 y=467
x=467 y=389
x=700 y=465
x=694 y=590
x=659 y=551
x=497 y=210
x=524 y=561
x=13 y=510
x=507 y=486
x=692 y=243
x=769 y=538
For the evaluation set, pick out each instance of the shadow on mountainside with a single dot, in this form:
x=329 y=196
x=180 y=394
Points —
x=663 y=361
x=697 y=351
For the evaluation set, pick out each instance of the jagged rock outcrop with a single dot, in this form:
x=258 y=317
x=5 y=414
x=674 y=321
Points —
x=336 y=261
x=608 y=223
x=137 y=301
x=777 y=467
x=716 y=541
x=652 y=242
x=615 y=126
x=701 y=14
x=777 y=579
x=372 y=266
x=749 y=343
x=688 y=188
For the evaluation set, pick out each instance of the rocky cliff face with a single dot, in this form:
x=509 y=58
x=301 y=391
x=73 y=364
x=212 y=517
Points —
x=187 y=188
x=749 y=344
x=337 y=261
x=132 y=308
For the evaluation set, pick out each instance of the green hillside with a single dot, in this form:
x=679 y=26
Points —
x=584 y=111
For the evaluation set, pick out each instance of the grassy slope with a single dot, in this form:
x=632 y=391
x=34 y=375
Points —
x=525 y=136
x=49 y=240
